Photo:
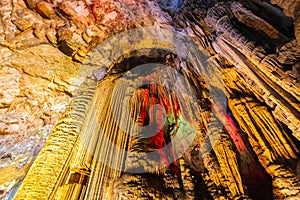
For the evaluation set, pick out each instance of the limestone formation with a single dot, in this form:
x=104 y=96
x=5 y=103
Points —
x=77 y=122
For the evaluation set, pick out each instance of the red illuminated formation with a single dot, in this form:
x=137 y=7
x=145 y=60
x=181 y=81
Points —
x=156 y=107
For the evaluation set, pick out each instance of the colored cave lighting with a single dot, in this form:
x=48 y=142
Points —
x=154 y=94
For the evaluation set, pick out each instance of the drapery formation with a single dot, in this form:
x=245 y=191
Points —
x=109 y=155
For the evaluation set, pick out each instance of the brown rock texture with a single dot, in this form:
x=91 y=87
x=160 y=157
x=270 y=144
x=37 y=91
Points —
x=58 y=130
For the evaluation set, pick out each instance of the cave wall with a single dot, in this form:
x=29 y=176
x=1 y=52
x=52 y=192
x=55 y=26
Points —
x=255 y=46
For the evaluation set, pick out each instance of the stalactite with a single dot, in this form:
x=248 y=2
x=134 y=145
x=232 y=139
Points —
x=55 y=154
x=108 y=141
x=271 y=144
x=187 y=180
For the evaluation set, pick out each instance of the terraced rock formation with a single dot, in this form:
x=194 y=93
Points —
x=220 y=124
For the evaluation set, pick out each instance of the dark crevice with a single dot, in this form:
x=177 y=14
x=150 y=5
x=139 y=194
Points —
x=273 y=15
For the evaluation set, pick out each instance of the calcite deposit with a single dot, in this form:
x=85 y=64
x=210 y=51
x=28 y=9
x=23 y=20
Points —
x=214 y=112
